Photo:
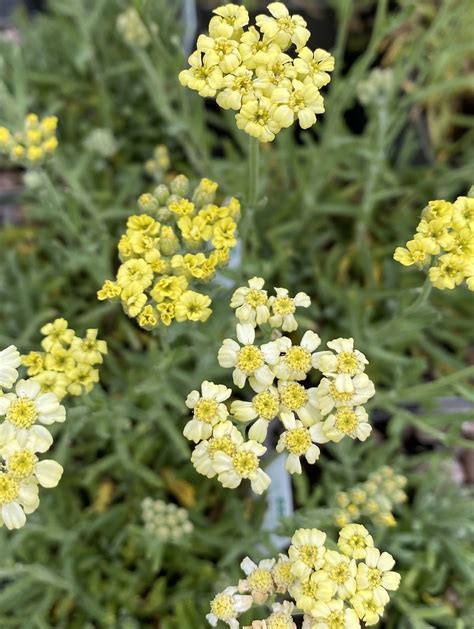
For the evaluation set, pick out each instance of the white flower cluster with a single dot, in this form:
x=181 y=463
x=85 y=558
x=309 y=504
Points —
x=334 y=589
x=275 y=371
x=22 y=437
x=165 y=520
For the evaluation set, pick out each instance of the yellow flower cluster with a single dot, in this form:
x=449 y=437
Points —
x=374 y=499
x=275 y=372
x=250 y=70
x=444 y=241
x=175 y=242
x=166 y=521
x=159 y=164
x=67 y=364
x=334 y=589
x=34 y=143
x=24 y=412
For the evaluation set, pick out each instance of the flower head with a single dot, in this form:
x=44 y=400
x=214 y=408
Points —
x=227 y=606
x=208 y=410
x=263 y=72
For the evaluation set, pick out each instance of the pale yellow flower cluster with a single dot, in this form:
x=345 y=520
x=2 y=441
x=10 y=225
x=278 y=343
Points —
x=165 y=520
x=444 y=241
x=67 y=364
x=24 y=412
x=276 y=371
x=252 y=69
x=34 y=143
x=334 y=589
x=375 y=499
x=176 y=242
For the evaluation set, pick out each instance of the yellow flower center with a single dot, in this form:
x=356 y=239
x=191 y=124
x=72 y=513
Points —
x=356 y=541
x=223 y=48
x=346 y=420
x=297 y=440
x=266 y=404
x=245 y=463
x=243 y=84
x=314 y=65
x=9 y=488
x=310 y=554
x=309 y=589
x=375 y=577
x=222 y=606
x=283 y=306
x=221 y=444
x=22 y=464
x=262 y=116
x=372 y=607
x=294 y=396
x=206 y=410
x=260 y=580
x=22 y=413
x=339 y=396
x=249 y=359
x=347 y=363
x=339 y=573
x=286 y=24
x=282 y=574
x=335 y=620
x=256 y=298
x=298 y=358
x=297 y=101
x=202 y=73
x=279 y=620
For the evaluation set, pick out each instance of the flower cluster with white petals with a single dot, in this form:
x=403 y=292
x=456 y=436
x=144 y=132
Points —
x=275 y=371
x=333 y=589
x=23 y=435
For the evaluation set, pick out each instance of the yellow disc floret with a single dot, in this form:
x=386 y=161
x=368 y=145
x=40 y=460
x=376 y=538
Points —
x=22 y=413
x=9 y=488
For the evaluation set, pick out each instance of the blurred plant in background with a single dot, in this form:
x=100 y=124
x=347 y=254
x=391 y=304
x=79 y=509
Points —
x=333 y=204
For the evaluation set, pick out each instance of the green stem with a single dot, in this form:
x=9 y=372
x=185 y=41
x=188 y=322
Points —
x=254 y=155
x=249 y=232
x=423 y=296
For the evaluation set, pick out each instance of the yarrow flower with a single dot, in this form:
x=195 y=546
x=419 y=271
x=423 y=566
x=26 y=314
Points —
x=24 y=412
x=374 y=499
x=33 y=144
x=67 y=366
x=165 y=521
x=263 y=72
x=174 y=243
x=276 y=372
x=443 y=244
x=333 y=589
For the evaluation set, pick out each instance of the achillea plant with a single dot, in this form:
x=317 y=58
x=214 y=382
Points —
x=443 y=243
x=67 y=364
x=264 y=72
x=175 y=243
x=374 y=499
x=276 y=371
x=23 y=435
x=34 y=143
x=332 y=588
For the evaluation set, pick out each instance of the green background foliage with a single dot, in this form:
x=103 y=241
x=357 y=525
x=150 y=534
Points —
x=334 y=203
